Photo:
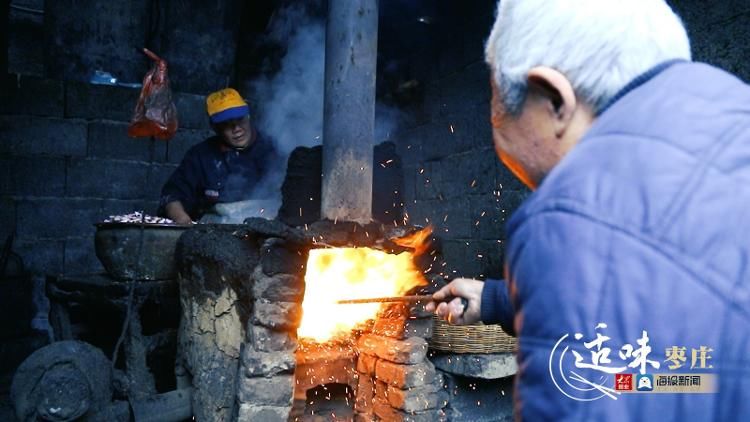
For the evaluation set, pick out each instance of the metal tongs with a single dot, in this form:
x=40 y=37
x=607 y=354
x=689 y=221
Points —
x=408 y=299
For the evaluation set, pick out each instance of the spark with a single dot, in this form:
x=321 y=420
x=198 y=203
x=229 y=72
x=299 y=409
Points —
x=483 y=213
x=473 y=183
x=421 y=171
x=451 y=126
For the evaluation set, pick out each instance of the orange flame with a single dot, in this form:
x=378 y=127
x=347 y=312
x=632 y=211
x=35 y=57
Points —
x=354 y=273
x=419 y=241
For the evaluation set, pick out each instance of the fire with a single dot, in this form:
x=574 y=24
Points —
x=419 y=241
x=353 y=273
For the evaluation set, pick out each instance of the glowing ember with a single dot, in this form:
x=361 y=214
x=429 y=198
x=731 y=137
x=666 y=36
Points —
x=354 y=273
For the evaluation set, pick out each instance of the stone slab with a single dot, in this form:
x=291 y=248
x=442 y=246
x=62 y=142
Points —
x=486 y=366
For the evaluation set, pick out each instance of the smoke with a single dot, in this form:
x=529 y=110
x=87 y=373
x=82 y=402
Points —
x=292 y=98
x=288 y=105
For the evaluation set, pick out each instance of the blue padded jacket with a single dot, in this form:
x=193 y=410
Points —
x=643 y=227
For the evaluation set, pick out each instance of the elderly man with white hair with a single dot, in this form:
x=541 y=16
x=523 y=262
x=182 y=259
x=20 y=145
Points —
x=628 y=269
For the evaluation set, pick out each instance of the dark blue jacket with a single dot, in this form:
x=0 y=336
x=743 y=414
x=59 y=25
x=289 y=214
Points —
x=211 y=173
x=643 y=226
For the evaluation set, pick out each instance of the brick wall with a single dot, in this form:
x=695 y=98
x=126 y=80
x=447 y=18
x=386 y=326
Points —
x=66 y=162
x=452 y=177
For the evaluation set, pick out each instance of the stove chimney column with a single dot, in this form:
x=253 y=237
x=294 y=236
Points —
x=349 y=110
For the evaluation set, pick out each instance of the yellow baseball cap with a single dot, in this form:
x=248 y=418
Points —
x=226 y=104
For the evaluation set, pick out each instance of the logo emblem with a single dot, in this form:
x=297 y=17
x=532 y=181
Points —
x=645 y=382
x=624 y=382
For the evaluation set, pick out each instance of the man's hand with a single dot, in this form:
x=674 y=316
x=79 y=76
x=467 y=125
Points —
x=453 y=311
x=176 y=212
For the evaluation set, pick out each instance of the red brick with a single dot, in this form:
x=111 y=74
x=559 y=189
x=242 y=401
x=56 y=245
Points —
x=384 y=411
x=410 y=351
x=417 y=399
x=366 y=364
x=365 y=394
x=405 y=376
x=402 y=328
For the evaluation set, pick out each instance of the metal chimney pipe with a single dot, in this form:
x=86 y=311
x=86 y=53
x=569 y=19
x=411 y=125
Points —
x=349 y=110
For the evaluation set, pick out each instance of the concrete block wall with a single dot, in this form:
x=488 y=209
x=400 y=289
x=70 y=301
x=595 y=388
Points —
x=452 y=178
x=66 y=162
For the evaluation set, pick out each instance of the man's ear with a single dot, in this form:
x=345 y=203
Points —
x=554 y=88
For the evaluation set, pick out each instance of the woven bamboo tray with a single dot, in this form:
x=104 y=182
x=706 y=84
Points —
x=470 y=338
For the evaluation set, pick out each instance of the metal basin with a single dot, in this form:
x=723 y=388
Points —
x=117 y=247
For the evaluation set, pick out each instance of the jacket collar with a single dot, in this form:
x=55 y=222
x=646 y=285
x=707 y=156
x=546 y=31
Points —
x=640 y=80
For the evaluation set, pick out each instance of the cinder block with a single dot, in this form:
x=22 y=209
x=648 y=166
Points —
x=488 y=220
x=6 y=185
x=158 y=175
x=33 y=96
x=510 y=200
x=109 y=139
x=184 y=140
x=252 y=413
x=280 y=287
x=41 y=256
x=273 y=391
x=38 y=176
x=461 y=90
x=89 y=101
x=42 y=135
x=506 y=180
x=191 y=110
x=484 y=258
x=7 y=217
x=56 y=218
x=450 y=218
x=280 y=316
x=262 y=364
x=410 y=185
x=111 y=179
x=461 y=259
x=267 y=340
x=80 y=256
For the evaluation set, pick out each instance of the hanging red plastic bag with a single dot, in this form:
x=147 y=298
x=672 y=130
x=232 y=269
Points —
x=155 y=114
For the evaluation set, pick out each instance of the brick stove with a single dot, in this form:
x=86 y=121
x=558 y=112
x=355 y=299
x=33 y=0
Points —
x=241 y=292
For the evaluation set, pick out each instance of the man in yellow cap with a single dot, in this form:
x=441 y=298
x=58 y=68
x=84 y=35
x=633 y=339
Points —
x=222 y=169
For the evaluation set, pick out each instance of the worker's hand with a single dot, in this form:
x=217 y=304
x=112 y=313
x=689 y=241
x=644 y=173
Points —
x=175 y=212
x=453 y=311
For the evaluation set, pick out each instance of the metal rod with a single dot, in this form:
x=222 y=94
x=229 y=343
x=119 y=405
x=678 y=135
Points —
x=414 y=298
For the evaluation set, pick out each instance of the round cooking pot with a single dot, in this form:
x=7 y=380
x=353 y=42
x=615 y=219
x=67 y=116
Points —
x=117 y=248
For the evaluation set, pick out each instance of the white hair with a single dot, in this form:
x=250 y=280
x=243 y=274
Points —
x=599 y=45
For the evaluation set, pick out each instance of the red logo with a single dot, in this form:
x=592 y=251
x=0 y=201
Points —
x=624 y=382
